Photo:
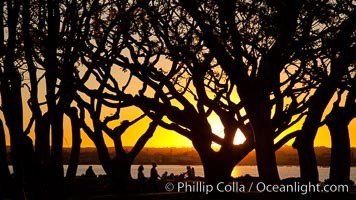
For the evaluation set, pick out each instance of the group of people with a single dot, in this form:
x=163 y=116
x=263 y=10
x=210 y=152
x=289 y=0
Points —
x=188 y=175
x=153 y=180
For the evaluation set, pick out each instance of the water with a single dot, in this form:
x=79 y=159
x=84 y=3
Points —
x=284 y=171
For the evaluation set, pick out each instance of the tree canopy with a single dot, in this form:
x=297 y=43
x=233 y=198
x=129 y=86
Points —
x=258 y=68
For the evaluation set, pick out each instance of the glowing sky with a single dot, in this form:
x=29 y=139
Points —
x=165 y=138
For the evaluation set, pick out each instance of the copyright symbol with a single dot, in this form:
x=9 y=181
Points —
x=169 y=187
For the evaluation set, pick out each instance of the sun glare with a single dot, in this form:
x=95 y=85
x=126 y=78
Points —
x=218 y=129
x=239 y=137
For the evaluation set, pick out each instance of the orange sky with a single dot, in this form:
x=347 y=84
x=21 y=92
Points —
x=165 y=138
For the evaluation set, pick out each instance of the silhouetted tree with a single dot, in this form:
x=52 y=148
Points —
x=52 y=31
x=119 y=167
x=42 y=126
x=258 y=67
x=10 y=88
x=107 y=26
x=219 y=51
x=76 y=141
x=337 y=121
x=187 y=65
x=40 y=30
x=335 y=55
x=5 y=177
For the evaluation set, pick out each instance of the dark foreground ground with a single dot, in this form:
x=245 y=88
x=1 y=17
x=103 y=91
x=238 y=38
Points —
x=102 y=189
x=84 y=188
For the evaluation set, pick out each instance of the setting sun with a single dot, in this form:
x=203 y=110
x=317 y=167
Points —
x=239 y=137
x=218 y=129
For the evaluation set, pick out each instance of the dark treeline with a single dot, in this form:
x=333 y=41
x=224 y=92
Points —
x=261 y=67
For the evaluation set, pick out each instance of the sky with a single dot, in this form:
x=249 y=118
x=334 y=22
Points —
x=165 y=138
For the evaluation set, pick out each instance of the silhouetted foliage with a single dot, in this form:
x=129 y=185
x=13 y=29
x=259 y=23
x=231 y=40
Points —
x=10 y=88
x=333 y=58
x=338 y=120
x=100 y=90
x=208 y=70
x=225 y=60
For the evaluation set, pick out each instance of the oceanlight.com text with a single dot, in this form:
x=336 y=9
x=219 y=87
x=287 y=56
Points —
x=300 y=188
x=236 y=187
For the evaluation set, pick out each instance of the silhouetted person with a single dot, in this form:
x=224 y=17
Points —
x=164 y=175
x=171 y=176
x=190 y=173
x=154 y=177
x=90 y=172
x=141 y=179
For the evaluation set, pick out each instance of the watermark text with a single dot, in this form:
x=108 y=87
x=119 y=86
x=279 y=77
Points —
x=236 y=187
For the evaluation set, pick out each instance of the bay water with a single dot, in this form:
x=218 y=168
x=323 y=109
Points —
x=239 y=170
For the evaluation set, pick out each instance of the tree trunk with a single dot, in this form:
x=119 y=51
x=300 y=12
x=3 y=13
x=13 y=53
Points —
x=18 y=166
x=14 y=123
x=119 y=168
x=12 y=109
x=304 y=142
x=217 y=165
x=259 y=115
x=31 y=171
x=337 y=122
x=265 y=155
x=122 y=171
x=307 y=162
x=56 y=164
x=5 y=175
x=76 y=141
x=42 y=146
x=11 y=98
x=103 y=155
x=42 y=128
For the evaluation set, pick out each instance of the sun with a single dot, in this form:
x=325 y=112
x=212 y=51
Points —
x=239 y=137
x=218 y=129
